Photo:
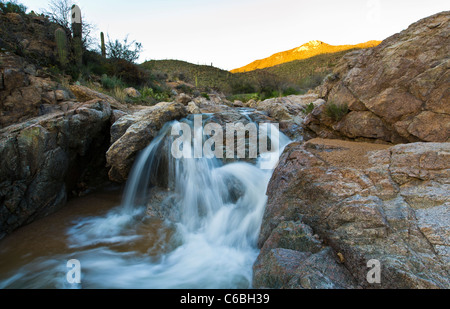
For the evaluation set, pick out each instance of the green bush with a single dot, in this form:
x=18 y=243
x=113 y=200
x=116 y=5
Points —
x=111 y=82
x=241 y=87
x=184 y=88
x=309 y=108
x=268 y=93
x=150 y=96
x=95 y=62
x=130 y=73
x=336 y=111
x=291 y=91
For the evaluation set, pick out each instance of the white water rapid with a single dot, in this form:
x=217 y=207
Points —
x=212 y=245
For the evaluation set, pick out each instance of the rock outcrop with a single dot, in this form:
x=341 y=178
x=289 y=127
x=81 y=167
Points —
x=84 y=94
x=333 y=206
x=396 y=92
x=45 y=158
x=133 y=132
x=24 y=93
x=30 y=36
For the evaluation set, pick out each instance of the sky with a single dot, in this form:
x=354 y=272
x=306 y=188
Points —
x=232 y=33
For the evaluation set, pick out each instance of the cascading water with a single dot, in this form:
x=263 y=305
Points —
x=212 y=244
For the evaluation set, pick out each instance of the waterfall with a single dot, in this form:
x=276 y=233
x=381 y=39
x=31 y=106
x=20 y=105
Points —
x=212 y=243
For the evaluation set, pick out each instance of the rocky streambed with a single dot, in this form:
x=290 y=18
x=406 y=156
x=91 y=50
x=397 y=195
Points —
x=365 y=206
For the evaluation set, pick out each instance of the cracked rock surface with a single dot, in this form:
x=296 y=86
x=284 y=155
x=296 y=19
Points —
x=335 y=205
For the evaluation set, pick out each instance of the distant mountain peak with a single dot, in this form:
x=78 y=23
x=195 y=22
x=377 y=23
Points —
x=308 y=50
x=314 y=44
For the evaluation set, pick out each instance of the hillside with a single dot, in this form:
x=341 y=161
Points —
x=301 y=74
x=308 y=50
x=200 y=76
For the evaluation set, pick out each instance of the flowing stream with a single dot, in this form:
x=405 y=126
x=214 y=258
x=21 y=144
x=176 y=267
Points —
x=210 y=242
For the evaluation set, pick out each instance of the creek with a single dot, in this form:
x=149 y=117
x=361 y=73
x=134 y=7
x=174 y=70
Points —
x=207 y=238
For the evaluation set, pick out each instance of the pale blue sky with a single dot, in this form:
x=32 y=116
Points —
x=233 y=33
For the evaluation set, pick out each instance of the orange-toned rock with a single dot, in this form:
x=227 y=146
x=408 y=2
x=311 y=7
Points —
x=404 y=82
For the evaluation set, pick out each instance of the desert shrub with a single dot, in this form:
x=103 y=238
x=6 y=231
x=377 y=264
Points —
x=239 y=87
x=12 y=7
x=151 y=95
x=130 y=73
x=309 y=108
x=96 y=63
x=119 y=94
x=336 y=111
x=159 y=75
x=311 y=81
x=291 y=90
x=111 y=82
x=268 y=93
x=181 y=76
x=184 y=88
x=123 y=50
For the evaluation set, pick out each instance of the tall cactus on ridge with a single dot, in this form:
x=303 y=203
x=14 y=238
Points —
x=61 y=44
x=102 y=37
x=77 y=29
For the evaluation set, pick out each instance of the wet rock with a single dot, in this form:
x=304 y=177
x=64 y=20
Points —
x=132 y=133
x=276 y=268
x=44 y=159
x=162 y=205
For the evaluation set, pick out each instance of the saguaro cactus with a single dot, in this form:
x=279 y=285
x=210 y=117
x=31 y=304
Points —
x=77 y=29
x=102 y=37
x=61 y=44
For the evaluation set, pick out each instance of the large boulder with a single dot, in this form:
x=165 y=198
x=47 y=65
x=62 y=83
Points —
x=44 y=159
x=84 y=94
x=286 y=108
x=133 y=132
x=359 y=202
x=396 y=92
x=132 y=92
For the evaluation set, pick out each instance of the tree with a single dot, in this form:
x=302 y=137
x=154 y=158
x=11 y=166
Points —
x=12 y=7
x=268 y=83
x=128 y=51
x=59 y=12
